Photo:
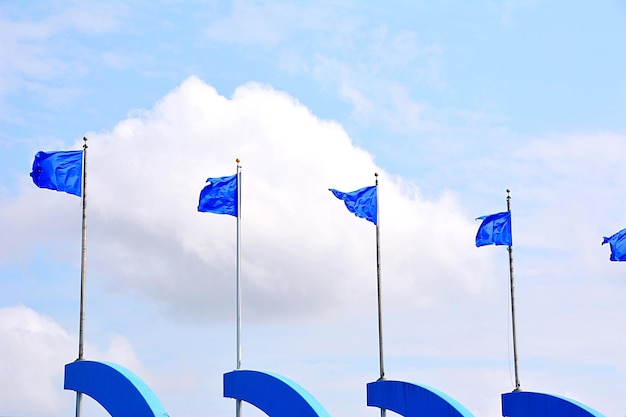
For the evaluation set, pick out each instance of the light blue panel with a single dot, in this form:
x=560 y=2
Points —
x=275 y=395
x=118 y=390
x=536 y=404
x=412 y=400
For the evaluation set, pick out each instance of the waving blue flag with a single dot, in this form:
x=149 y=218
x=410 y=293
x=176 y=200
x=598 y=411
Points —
x=495 y=229
x=60 y=171
x=363 y=202
x=618 y=245
x=219 y=196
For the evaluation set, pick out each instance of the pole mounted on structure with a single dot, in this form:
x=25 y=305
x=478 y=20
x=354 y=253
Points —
x=510 y=250
x=83 y=274
x=379 y=293
x=238 y=279
x=378 y=286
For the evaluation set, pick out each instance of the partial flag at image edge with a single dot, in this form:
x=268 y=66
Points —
x=59 y=171
x=219 y=196
x=362 y=203
x=617 y=242
x=495 y=229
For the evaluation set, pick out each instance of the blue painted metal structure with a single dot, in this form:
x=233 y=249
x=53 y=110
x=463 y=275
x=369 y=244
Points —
x=412 y=400
x=118 y=390
x=124 y=394
x=536 y=404
x=275 y=395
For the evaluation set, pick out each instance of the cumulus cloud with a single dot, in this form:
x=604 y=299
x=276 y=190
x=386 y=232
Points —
x=305 y=258
x=302 y=252
x=33 y=350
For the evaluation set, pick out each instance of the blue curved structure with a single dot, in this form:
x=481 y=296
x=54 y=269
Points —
x=118 y=390
x=412 y=400
x=124 y=394
x=537 y=404
x=273 y=394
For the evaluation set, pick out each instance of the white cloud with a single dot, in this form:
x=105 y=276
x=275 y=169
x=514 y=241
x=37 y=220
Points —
x=305 y=258
x=301 y=250
x=34 y=349
x=31 y=373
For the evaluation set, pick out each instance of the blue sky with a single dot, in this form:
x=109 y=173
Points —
x=451 y=102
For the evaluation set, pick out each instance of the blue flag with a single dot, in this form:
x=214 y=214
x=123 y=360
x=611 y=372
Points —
x=219 y=196
x=363 y=203
x=618 y=245
x=495 y=229
x=60 y=171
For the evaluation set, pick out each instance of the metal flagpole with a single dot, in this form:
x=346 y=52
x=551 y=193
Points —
x=83 y=253
x=380 y=314
x=378 y=285
x=510 y=250
x=238 y=289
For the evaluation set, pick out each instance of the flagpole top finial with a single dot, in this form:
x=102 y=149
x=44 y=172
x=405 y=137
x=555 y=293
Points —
x=375 y=174
x=237 y=160
x=508 y=199
x=85 y=144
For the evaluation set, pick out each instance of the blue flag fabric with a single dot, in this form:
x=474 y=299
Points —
x=495 y=229
x=618 y=245
x=363 y=202
x=60 y=171
x=219 y=196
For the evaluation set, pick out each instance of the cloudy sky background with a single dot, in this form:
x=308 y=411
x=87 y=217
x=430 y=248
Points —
x=451 y=103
